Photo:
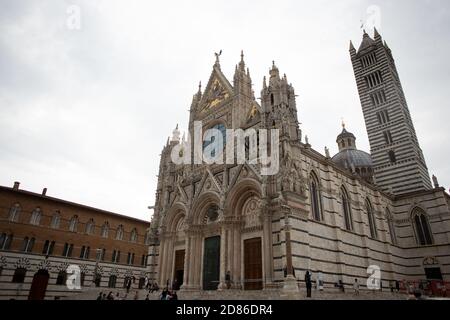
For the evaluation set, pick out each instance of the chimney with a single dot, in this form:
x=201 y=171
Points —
x=44 y=191
x=16 y=185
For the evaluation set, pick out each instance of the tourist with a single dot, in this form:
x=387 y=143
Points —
x=128 y=284
x=356 y=287
x=117 y=296
x=164 y=294
x=104 y=296
x=308 y=284
x=174 y=296
x=110 y=296
x=100 y=296
x=147 y=297
x=397 y=285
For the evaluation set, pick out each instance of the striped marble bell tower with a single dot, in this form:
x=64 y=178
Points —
x=399 y=164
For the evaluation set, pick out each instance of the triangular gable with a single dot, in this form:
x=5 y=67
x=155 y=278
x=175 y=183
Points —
x=218 y=90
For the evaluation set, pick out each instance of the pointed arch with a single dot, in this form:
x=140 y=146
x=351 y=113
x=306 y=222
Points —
x=119 y=232
x=421 y=227
x=36 y=216
x=315 y=196
x=202 y=204
x=14 y=212
x=105 y=230
x=134 y=235
x=391 y=226
x=371 y=219
x=56 y=220
x=90 y=226
x=346 y=209
x=73 y=224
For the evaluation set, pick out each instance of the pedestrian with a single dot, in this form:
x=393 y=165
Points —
x=117 y=296
x=136 y=295
x=100 y=296
x=174 y=296
x=397 y=285
x=110 y=296
x=147 y=297
x=228 y=279
x=356 y=287
x=308 y=284
x=128 y=284
x=104 y=296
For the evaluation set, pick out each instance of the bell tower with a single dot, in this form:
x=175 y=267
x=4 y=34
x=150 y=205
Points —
x=399 y=164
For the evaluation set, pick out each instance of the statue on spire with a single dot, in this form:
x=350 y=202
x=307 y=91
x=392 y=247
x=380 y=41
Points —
x=217 y=56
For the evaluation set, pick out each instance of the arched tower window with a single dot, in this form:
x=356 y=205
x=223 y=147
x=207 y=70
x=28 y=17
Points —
x=36 y=217
x=372 y=221
x=316 y=205
x=422 y=227
x=346 y=210
x=14 y=213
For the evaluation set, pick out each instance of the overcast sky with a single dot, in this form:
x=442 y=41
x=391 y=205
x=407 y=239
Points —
x=86 y=111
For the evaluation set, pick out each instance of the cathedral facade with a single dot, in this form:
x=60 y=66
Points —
x=228 y=226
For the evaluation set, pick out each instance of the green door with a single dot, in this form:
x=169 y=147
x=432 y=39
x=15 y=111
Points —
x=211 y=263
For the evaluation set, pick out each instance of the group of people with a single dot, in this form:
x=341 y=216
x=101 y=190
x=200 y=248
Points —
x=111 y=296
x=167 y=294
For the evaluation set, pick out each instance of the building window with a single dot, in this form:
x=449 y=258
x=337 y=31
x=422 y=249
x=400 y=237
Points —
x=90 y=226
x=67 y=250
x=272 y=100
x=5 y=241
x=56 y=220
x=373 y=79
x=84 y=253
x=14 y=213
x=105 y=230
x=316 y=207
x=112 y=281
x=392 y=156
x=35 y=217
x=28 y=244
x=62 y=277
x=19 y=275
x=133 y=235
x=347 y=210
x=100 y=256
x=378 y=98
x=119 y=233
x=422 y=228
x=391 y=227
x=144 y=260
x=115 y=256
x=130 y=258
x=372 y=221
x=73 y=224
x=48 y=247
x=388 y=137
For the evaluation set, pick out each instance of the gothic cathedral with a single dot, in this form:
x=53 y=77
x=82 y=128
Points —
x=226 y=225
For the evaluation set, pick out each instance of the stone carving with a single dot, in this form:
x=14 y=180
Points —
x=251 y=210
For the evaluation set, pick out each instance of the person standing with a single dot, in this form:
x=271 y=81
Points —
x=128 y=284
x=308 y=284
x=356 y=287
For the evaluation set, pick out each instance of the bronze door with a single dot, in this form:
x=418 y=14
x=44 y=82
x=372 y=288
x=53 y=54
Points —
x=211 y=263
x=253 y=279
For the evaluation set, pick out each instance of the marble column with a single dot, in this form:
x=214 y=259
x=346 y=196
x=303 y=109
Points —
x=223 y=257
x=290 y=283
x=187 y=258
x=236 y=272
x=268 y=250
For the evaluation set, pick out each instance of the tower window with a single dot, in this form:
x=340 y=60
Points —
x=272 y=99
x=388 y=137
x=383 y=117
x=374 y=79
x=392 y=156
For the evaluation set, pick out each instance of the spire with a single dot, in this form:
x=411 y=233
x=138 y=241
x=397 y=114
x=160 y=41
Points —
x=274 y=71
x=375 y=32
x=199 y=88
x=343 y=123
x=352 y=47
x=264 y=83
x=242 y=63
x=175 y=135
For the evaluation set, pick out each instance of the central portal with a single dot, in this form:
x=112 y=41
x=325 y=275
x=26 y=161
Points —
x=253 y=264
x=211 y=263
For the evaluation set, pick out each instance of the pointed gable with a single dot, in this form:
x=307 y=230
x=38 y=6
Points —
x=367 y=42
x=217 y=91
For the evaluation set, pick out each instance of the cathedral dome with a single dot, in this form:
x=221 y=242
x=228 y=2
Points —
x=348 y=157
x=352 y=159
